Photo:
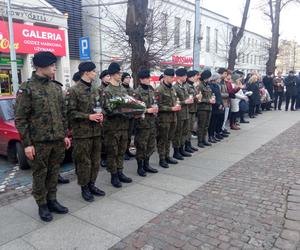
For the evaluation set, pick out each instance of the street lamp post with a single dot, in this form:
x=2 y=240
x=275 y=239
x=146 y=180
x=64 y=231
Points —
x=197 y=37
x=13 y=59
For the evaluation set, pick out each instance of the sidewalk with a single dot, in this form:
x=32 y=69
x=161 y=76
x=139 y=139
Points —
x=108 y=220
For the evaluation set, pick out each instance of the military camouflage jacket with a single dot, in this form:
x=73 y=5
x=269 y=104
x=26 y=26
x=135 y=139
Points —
x=82 y=100
x=40 y=112
x=146 y=95
x=166 y=99
x=128 y=89
x=192 y=91
x=182 y=95
x=206 y=95
x=114 y=122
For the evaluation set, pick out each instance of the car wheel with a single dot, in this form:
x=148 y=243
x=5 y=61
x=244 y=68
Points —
x=21 y=156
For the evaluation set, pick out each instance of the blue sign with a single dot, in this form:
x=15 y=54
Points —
x=84 y=48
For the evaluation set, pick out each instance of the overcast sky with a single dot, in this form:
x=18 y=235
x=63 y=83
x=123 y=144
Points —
x=257 y=22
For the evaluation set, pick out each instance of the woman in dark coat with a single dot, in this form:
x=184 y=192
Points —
x=254 y=99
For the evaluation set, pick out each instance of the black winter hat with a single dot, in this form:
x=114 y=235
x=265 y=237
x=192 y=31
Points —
x=44 y=59
x=113 y=68
x=205 y=75
x=124 y=75
x=191 y=73
x=86 y=66
x=76 y=77
x=181 y=72
x=169 y=72
x=103 y=73
x=144 y=73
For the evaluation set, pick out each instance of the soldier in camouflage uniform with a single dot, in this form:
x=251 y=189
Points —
x=181 y=132
x=204 y=108
x=167 y=118
x=116 y=128
x=40 y=118
x=105 y=78
x=145 y=128
x=191 y=78
x=126 y=78
x=85 y=122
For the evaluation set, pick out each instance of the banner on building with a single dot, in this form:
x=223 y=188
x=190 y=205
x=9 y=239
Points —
x=32 y=39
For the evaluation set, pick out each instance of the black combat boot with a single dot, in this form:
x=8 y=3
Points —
x=201 y=145
x=62 y=180
x=170 y=160
x=148 y=168
x=56 y=207
x=95 y=191
x=188 y=148
x=177 y=154
x=115 y=181
x=183 y=153
x=44 y=213
x=191 y=146
x=123 y=177
x=140 y=168
x=86 y=193
x=163 y=163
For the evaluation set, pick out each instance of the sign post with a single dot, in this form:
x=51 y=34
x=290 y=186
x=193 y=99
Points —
x=84 y=48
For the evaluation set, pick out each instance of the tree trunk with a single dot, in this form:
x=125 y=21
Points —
x=275 y=21
x=236 y=37
x=136 y=21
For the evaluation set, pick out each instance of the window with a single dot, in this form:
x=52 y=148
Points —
x=207 y=47
x=252 y=42
x=177 y=32
x=247 y=59
x=216 y=40
x=188 y=35
x=255 y=59
x=243 y=58
x=251 y=59
x=164 y=29
x=244 y=40
x=249 y=41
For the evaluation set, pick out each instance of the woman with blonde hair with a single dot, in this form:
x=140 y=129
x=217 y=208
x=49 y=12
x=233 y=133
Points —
x=254 y=99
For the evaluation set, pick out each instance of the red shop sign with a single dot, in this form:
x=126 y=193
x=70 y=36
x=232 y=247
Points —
x=32 y=39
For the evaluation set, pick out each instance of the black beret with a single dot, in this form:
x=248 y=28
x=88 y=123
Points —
x=124 y=75
x=191 y=73
x=169 y=72
x=161 y=76
x=76 y=77
x=144 y=73
x=86 y=66
x=205 y=75
x=181 y=72
x=44 y=59
x=113 y=68
x=103 y=73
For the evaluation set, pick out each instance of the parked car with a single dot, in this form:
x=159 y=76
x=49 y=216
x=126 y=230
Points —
x=10 y=141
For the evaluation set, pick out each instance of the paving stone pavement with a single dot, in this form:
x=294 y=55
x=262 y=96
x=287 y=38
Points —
x=254 y=204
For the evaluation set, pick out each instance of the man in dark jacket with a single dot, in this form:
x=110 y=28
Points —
x=291 y=90
x=298 y=92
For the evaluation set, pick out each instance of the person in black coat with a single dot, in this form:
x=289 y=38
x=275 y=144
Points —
x=298 y=92
x=217 y=117
x=254 y=99
x=291 y=90
x=268 y=83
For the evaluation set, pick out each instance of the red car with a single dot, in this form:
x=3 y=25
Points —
x=10 y=144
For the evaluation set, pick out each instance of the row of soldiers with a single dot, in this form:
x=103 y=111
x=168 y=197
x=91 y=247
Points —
x=44 y=117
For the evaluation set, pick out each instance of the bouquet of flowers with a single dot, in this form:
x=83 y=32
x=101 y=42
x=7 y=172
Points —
x=125 y=105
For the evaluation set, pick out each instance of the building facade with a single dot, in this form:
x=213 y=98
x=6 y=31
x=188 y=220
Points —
x=38 y=26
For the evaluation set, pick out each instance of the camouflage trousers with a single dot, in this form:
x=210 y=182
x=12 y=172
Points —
x=45 y=170
x=145 y=142
x=165 y=134
x=191 y=125
x=130 y=131
x=115 y=145
x=86 y=155
x=181 y=133
x=203 y=118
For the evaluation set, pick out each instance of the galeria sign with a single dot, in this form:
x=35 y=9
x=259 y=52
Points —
x=32 y=39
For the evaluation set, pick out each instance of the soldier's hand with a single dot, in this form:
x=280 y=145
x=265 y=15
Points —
x=30 y=152
x=96 y=117
x=152 y=110
x=189 y=101
x=67 y=142
x=176 y=108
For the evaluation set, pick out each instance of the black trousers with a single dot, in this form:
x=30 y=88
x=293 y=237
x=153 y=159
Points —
x=233 y=117
x=298 y=101
x=289 y=97
x=278 y=96
x=216 y=123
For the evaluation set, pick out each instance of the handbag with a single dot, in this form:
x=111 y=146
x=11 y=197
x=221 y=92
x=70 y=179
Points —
x=244 y=106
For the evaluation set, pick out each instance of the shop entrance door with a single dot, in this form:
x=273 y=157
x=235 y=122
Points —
x=6 y=86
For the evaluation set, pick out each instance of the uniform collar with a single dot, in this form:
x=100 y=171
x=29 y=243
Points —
x=125 y=86
x=144 y=86
x=88 y=84
x=167 y=86
x=39 y=78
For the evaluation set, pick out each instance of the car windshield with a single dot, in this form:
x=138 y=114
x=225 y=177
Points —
x=7 y=109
